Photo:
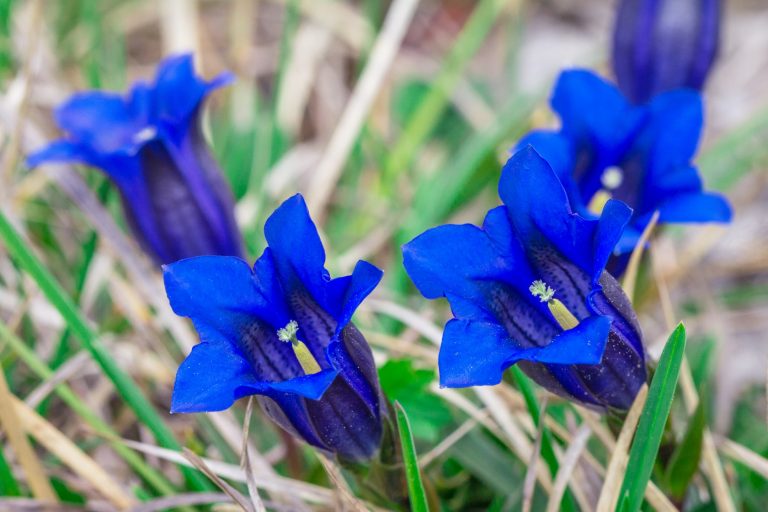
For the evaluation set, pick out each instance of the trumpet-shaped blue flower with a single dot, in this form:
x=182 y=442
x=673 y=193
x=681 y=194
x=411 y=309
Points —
x=641 y=155
x=151 y=147
x=661 y=45
x=282 y=331
x=529 y=288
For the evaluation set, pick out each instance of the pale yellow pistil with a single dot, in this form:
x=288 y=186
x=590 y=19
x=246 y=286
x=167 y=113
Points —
x=307 y=361
x=562 y=315
x=611 y=180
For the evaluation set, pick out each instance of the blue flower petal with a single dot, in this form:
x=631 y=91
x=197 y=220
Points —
x=477 y=353
x=499 y=229
x=694 y=207
x=101 y=120
x=629 y=239
x=61 y=151
x=455 y=260
x=309 y=386
x=610 y=230
x=473 y=353
x=345 y=294
x=553 y=147
x=345 y=421
x=179 y=90
x=350 y=354
x=214 y=375
x=674 y=127
x=592 y=108
x=211 y=378
x=559 y=152
x=537 y=204
x=270 y=289
x=212 y=290
x=681 y=179
x=296 y=245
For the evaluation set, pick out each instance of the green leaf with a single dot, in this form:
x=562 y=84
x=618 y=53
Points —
x=650 y=428
x=685 y=459
x=403 y=383
x=418 y=496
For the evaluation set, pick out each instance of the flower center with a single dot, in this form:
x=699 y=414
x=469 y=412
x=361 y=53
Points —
x=307 y=361
x=148 y=133
x=611 y=179
x=562 y=315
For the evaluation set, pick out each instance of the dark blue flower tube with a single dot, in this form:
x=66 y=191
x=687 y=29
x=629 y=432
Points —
x=641 y=155
x=529 y=288
x=150 y=145
x=283 y=331
x=661 y=45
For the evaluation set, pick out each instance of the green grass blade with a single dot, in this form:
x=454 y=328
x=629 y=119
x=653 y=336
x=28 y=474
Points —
x=736 y=154
x=684 y=462
x=423 y=120
x=431 y=208
x=8 y=484
x=281 y=140
x=33 y=361
x=129 y=391
x=418 y=496
x=547 y=447
x=650 y=428
x=60 y=352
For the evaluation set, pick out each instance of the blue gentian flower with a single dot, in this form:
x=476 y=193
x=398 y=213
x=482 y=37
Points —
x=283 y=331
x=529 y=288
x=151 y=147
x=661 y=45
x=641 y=155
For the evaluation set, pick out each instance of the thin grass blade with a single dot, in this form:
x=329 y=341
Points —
x=415 y=486
x=650 y=429
x=22 y=253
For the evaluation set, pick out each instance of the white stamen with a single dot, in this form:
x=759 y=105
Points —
x=288 y=333
x=612 y=178
x=541 y=290
x=146 y=134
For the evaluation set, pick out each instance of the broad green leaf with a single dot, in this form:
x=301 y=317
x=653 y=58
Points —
x=416 y=492
x=403 y=383
x=650 y=428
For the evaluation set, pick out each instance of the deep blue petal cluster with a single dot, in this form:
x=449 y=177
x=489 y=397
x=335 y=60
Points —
x=513 y=282
x=641 y=155
x=662 y=45
x=150 y=145
x=239 y=313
